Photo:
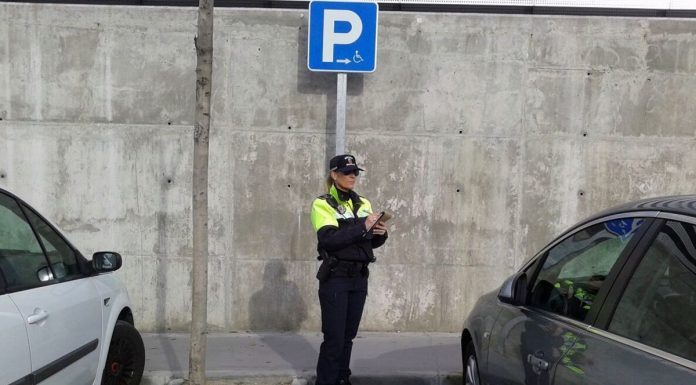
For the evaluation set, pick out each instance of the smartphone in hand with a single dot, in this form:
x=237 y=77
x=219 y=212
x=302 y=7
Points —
x=381 y=215
x=385 y=217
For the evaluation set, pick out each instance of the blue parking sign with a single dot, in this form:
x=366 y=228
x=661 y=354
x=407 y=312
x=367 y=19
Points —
x=342 y=36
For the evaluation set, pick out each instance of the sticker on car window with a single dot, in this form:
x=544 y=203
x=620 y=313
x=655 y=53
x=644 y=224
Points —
x=624 y=227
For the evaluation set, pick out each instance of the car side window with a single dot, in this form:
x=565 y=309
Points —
x=63 y=260
x=575 y=269
x=658 y=307
x=2 y=282
x=21 y=257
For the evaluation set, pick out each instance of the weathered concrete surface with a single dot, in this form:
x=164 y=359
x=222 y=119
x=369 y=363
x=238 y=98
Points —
x=484 y=134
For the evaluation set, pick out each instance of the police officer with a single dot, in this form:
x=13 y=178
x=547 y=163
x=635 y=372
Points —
x=347 y=231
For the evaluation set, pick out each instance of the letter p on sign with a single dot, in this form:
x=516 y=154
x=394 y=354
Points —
x=331 y=37
x=342 y=36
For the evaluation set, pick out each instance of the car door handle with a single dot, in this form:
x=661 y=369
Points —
x=538 y=362
x=38 y=316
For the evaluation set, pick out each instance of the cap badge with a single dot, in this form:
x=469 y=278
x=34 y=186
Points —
x=350 y=161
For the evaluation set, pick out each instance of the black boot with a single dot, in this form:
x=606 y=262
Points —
x=344 y=381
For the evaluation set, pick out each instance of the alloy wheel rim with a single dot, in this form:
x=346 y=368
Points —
x=471 y=371
x=120 y=363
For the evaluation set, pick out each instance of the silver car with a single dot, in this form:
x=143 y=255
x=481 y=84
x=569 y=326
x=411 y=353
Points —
x=610 y=301
x=64 y=320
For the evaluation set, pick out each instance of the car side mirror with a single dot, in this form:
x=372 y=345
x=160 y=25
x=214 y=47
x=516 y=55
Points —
x=106 y=261
x=514 y=290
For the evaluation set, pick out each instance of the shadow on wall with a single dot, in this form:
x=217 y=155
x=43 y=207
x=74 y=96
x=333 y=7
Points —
x=279 y=306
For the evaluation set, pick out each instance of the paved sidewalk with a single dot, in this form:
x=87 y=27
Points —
x=290 y=358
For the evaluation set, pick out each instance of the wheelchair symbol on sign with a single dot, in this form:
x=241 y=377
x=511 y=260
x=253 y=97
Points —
x=357 y=58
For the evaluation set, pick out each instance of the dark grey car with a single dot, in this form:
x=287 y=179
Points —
x=610 y=301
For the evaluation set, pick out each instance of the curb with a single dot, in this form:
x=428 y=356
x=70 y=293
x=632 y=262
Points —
x=169 y=378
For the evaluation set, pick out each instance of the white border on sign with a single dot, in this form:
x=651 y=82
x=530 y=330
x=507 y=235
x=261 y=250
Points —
x=309 y=32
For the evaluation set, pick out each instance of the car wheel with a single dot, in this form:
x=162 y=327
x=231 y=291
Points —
x=126 y=359
x=471 y=373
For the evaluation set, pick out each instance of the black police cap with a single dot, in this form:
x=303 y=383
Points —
x=343 y=163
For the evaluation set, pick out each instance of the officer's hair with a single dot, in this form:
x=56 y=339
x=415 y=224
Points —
x=329 y=182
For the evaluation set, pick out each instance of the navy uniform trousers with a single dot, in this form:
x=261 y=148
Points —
x=342 y=300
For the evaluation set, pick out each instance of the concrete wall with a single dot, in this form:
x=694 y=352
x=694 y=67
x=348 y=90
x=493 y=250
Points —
x=484 y=134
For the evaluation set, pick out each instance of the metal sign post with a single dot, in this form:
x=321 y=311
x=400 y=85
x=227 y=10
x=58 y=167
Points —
x=342 y=38
x=341 y=92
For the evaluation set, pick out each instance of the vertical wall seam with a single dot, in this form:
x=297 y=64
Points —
x=520 y=231
x=230 y=260
x=108 y=53
x=7 y=69
x=108 y=86
x=35 y=64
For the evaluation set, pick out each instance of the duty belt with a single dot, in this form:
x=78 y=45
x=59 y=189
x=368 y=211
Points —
x=349 y=268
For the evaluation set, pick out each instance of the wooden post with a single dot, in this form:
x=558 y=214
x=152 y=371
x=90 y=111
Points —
x=201 y=138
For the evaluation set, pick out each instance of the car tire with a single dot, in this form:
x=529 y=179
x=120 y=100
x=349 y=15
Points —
x=471 y=372
x=125 y=361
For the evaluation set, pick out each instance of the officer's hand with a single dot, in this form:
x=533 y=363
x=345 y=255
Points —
x=380 y=229
x=371 y=219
